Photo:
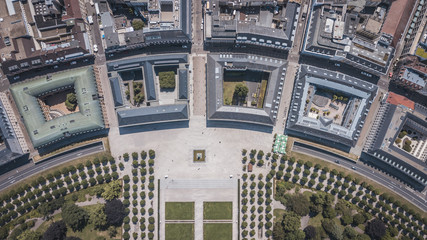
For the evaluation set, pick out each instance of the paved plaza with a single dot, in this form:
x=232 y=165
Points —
x=223 y=147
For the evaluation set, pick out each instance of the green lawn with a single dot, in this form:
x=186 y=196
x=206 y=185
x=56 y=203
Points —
x=217 y=210
x=262 y=93
x=179 y=231
x=217 y=231
x=179 y=210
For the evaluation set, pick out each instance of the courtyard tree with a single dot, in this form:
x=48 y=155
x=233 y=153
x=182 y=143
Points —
x=138 y=24
x=241 y=91
x=139 y=98
x=167 y=79
x=71 y=102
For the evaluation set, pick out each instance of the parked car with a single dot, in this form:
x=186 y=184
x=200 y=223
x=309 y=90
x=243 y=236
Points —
x=366 y=74
x=95 y=48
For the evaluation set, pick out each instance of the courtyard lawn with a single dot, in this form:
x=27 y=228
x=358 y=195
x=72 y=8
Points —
x=262 y=94
x=179 y=231
x=179 y=210
x=217 y=231
x=217 y=210
x=229 y=87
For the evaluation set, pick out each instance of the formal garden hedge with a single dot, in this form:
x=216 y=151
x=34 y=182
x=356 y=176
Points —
x=138 y=194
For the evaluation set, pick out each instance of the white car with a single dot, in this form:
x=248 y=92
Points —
x=95 y=48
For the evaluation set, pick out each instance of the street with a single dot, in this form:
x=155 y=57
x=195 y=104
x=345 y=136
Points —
x=30 y=169
x=362 y=169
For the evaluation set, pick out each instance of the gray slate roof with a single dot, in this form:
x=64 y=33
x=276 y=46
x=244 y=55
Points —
x=117 y=91
x=12 y=149
x=183 y=83
x=149 y=115
x=150 y=86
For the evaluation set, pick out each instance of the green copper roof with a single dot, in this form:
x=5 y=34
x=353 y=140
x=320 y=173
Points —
x=42 y=132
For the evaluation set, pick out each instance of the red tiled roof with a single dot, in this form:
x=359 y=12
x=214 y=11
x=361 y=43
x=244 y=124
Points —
x=397 y=99
x=397 y=17
x=73 y=10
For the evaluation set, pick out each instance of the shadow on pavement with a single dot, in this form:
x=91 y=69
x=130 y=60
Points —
x=238 y=125
x=153 y=127
x=15 y=164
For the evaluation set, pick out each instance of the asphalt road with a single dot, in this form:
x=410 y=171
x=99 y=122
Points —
x=16 y=175
x=370 y=173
